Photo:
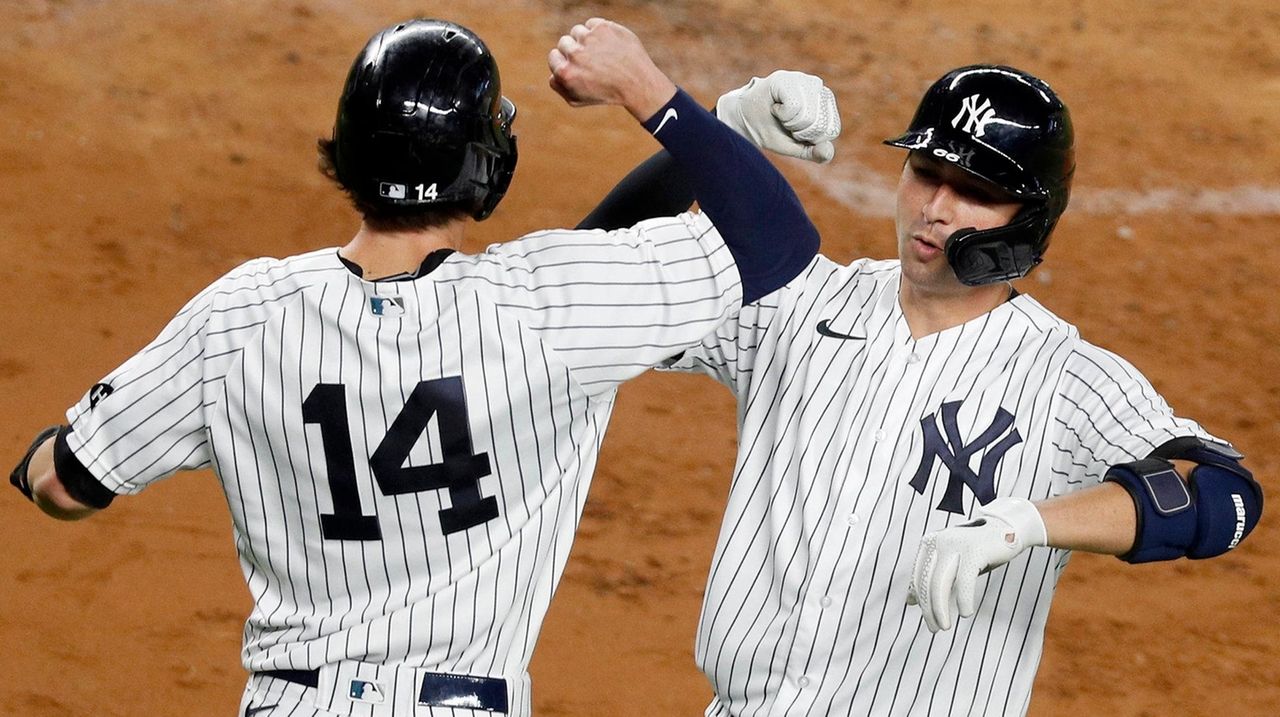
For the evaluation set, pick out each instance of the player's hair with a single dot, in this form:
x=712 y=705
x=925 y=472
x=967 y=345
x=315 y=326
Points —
x=380 y=216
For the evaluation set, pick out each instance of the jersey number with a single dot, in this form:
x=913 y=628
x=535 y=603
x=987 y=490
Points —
x=459 y=471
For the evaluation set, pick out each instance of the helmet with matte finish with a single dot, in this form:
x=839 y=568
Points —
x=1009 y=128
x=422 y=121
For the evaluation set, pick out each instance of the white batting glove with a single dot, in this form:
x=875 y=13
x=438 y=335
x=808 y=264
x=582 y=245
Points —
x=787 y=112
x=950 y=560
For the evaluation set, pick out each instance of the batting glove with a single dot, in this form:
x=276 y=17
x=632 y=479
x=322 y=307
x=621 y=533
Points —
x=949 y=561
x=787 y=112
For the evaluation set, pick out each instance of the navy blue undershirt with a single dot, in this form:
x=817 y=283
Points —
x=755 y=210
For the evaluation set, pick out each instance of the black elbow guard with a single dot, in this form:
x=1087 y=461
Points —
x=1210 y=513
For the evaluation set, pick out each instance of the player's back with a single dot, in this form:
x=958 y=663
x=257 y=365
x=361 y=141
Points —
x=405 y=461
x=395 y=455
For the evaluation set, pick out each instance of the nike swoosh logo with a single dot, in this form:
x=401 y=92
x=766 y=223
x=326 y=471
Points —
x=824 y=328
x=670 y=115
x=251 y=711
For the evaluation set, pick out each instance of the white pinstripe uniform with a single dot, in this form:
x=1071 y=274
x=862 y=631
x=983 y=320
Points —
x=406 y=462
x=854 y=441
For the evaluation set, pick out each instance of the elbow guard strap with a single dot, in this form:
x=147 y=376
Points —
x=1210 y=513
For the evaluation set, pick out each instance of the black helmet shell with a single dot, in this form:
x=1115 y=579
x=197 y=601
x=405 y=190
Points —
x=1009 y=128
x=422 y=121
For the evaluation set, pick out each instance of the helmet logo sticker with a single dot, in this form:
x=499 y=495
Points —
x=390 y=190
x=979 y=115
x=427 y=193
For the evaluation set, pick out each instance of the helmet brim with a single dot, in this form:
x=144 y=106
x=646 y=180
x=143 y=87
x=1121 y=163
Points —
x=979 y=159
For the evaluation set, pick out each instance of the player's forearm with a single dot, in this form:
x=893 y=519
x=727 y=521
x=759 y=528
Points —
x=752 y=205
x=1098 y=519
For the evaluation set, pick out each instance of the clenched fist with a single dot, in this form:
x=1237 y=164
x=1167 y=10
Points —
x=603 y=63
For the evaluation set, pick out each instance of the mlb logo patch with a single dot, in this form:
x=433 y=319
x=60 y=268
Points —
x=391 y=190
x=367 y=692
x=386 y=306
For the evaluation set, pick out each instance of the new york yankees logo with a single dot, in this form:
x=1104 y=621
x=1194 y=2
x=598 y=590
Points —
x=979 y=113
x=955 y=454
x=976 y=112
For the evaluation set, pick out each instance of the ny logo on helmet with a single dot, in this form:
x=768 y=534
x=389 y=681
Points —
x=977 y=113
x=955 y=454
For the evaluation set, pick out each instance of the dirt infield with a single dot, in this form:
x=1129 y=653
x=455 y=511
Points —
x=147 y=147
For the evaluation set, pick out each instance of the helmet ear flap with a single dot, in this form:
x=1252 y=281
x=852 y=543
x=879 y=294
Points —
x=1000 y=254
x=499 y=179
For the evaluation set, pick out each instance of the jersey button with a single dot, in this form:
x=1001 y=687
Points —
x=853 y=519
x=803 y=681
x=879 y=436
x=825 y=601
x=913 y=357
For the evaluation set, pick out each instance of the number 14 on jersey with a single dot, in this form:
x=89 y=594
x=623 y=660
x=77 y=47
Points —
x=459 y=471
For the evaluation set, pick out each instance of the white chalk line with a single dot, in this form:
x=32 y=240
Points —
x=861 y=190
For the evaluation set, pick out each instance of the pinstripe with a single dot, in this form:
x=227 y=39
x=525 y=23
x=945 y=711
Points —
x=804 y=610
x=540 y=331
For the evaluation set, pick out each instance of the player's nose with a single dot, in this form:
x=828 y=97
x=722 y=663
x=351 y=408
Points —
x=941 y=204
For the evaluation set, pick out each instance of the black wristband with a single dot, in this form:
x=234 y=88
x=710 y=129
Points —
x=19 y=478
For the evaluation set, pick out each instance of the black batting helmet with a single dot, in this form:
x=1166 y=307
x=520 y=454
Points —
x=422 y=121
x=1008 y=128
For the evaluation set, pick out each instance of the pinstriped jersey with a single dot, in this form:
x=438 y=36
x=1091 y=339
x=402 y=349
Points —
x=855 y=440
x=405 y=462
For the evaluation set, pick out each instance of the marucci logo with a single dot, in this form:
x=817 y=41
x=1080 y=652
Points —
x=1240 y=516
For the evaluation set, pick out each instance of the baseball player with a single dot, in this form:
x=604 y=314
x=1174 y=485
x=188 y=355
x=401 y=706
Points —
x=405 y=433
x=919 y=442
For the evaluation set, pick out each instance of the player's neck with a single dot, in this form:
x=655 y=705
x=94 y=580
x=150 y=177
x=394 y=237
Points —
x=928 y=311
x=387 y=253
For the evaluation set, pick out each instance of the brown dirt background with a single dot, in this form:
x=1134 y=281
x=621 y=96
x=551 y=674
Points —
x=147 y=147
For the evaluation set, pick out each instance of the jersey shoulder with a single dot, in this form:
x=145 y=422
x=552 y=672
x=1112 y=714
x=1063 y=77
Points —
x=826 y=280
x=270 y=277
x=546 y=245
x=259 y=285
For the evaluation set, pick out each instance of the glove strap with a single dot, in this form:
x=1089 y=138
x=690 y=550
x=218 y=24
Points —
x=1021 y=515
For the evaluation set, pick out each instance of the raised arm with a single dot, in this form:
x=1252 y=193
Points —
x=789 y=113
x=753 y=207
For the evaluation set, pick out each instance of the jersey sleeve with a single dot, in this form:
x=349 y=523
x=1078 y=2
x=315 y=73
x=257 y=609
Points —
x=613 y=304
x=757 y=333
x=1109 y=413
x=728 y=355
x=144 y=421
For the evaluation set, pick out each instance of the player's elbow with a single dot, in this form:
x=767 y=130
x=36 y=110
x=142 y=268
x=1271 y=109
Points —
x=51 y=496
